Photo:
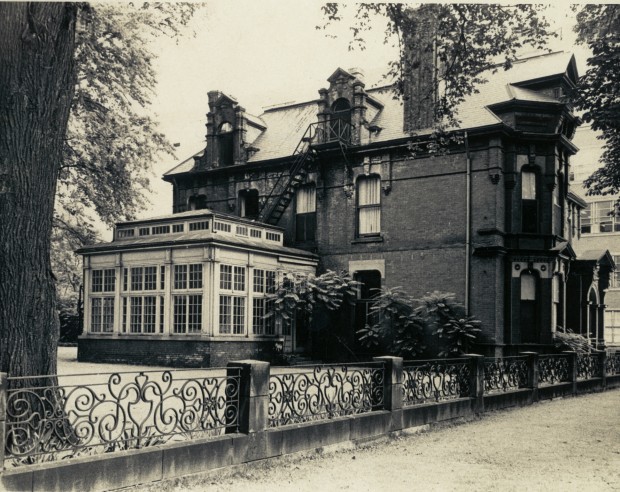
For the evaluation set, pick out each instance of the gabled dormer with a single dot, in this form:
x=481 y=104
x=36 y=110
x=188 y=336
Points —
x=230 y=132
x=342 y=107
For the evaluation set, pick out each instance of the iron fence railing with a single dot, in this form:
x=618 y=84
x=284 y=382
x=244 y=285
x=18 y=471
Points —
x=612 y=364
x=505 y=374
x=318 y=392
x=554 y=369
x=90 y=413
x=588 y=366
x=434 y=380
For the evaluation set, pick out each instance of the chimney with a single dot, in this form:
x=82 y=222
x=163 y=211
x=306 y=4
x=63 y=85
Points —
x=419 y=68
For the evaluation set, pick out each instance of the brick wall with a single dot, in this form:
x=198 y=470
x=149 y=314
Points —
x=173 y=353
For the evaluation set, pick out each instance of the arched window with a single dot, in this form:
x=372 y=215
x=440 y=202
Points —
x=305 y=213
x=340 y=123
x=225 y=142
x=529 y=307
x=529 y=202
x=248 y=204
x=369 y=206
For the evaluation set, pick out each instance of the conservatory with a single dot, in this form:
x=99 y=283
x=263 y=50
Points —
x=189 y=289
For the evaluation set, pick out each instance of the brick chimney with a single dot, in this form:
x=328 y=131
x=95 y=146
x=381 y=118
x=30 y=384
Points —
x=420 y=68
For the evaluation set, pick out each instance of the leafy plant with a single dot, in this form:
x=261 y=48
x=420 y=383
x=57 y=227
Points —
x=572 y=341
x=452 y=325
x=305 y=293
x=399 y=324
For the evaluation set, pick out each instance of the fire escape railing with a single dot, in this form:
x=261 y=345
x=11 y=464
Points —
x=335 y=130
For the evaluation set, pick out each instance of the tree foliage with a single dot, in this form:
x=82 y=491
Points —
x=598 y=94
x=469 y=39
x=299 y=293
x=112 y=137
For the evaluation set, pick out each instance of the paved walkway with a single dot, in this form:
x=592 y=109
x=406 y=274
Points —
x=570 y=444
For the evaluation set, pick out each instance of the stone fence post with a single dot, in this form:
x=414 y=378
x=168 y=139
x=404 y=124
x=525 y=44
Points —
x=393 y=389
x=572 y=369
x=253 y=394
x=3 y=398
x=477 y=381
x=532 y=373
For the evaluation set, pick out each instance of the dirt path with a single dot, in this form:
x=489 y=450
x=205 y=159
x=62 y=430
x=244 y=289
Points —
x=570 y=444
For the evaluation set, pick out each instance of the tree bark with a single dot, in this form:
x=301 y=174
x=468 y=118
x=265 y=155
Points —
x=36 y=89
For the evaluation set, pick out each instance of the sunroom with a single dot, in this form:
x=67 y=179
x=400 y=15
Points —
x=189 y=289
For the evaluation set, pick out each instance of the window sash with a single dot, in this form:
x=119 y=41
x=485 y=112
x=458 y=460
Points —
x=528 y=185
x=369 y=191
x=370 y=220
x=528 y=287
x=305 y=200
x=187 y=313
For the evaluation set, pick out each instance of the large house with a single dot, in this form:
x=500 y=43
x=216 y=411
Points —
x=352 y=182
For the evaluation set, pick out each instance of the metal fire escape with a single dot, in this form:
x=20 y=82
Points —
x=317 y=135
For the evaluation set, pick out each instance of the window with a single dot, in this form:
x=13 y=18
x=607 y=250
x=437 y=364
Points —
x=103 y=280
x=122 y=233
x=143 y=278
x=188 y=276
x=165 y=229
x=187 y=308
x=263 y=284
x=340 y=123
x=612 y=327
x=187 y=313
x=529 y=203
x=241 y=230
x=248 y=204
x=197 y=202
x=272 y=236
x=102 y=315
x=145 y=231
x=225 y=142
x=600 y=217
x=305 y=218
x=178 y=227
x=529 y=333
x=222 y=226
x=558 y=304
x=232 y=303
x=203 y=225
x=256 y=233
x=369 y=205
x=143 y=313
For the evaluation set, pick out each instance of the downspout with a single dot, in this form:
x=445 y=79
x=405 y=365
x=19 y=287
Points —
x=467 y=227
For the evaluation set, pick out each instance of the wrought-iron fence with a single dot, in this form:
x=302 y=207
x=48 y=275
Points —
x=588 y=366
x=47 y=421
x=553 y=369
x=320 y=392
x=612 y=364
x=434 y=380
x=505 y=374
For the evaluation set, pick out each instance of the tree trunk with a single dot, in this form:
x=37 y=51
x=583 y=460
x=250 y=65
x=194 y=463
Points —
x=36 y=89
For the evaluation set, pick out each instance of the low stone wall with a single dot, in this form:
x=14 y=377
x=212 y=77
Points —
x=172 y=352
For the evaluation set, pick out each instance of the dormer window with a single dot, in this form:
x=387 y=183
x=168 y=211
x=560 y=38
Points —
x=225 y=142
x=340 y=123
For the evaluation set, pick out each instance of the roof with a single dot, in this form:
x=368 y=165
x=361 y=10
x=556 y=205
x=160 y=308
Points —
x=597 y=255
x=193 y=238
x=286 y=124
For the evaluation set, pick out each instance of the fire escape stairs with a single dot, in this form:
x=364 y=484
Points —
x=289 y=179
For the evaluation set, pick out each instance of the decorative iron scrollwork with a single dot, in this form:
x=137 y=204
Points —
x=425 y=381
x=612 y=364
x=126 y=411
x=507 y=374
x=553 y=369
x=324 y=392
x=588 y=366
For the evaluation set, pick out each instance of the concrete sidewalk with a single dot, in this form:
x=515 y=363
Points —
x=570 y=444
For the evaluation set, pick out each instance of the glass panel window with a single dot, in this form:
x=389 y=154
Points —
x=180 y=276
x=95 y=317
x=259 y=281
x=600 y=217
x=135 y=318
x=150 y=310
x=239 y=279
x=226 y=277
x=150 y=278
x=528 y=185
x=180 y=314
x=225 y=314
x=97 y=281
x=137 y=278
x=258 y=313
x=238 y=315
x=194 y=307
x=369 y=205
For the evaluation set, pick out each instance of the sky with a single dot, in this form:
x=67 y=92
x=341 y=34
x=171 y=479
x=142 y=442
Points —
x=265 y=52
